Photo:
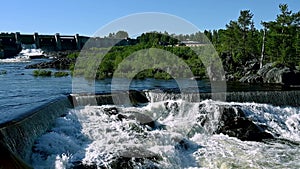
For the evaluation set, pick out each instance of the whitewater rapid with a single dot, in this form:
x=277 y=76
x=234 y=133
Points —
x=158 y=135
x=28 y=51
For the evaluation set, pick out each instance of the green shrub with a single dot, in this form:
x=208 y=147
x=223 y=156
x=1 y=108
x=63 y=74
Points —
x=42 y=72
x=61 y=74
x=277 y=64
x=73 y=55
x=162 y=75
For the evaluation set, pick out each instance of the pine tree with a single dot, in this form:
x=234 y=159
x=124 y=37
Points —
x=283 y=36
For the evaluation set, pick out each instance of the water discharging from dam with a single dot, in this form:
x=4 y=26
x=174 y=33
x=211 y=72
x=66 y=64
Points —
x=162 y=130
x=167 y=132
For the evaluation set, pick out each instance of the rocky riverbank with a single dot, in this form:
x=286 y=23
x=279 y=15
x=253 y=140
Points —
x=59 y=61
x=59 y=54
x=270 y=73
x=273 y=74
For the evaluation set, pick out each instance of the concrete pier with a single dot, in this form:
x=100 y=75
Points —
x=78 y=41
x=36 y=39
x=58 y=41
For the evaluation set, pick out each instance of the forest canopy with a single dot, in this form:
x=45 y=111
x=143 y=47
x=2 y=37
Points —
x=238 y=44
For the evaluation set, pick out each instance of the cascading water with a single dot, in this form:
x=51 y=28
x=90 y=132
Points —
x=170 y=133
x=18 y=135
x=29 y=51
x=279 y=98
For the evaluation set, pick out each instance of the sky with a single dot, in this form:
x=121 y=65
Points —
x=85 y=17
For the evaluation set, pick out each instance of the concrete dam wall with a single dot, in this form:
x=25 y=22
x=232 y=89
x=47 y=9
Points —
x=11 y=43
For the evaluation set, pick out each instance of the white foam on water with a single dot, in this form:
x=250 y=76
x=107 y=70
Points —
x=281 y=121
x=221 y=151
x=28 y=50
x=92 y=136
x=14 y=60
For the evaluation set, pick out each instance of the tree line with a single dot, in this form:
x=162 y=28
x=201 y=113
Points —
x=238 y=44
x=278 y=41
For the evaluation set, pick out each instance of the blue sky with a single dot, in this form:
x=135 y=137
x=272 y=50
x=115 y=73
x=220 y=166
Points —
x=86 y=17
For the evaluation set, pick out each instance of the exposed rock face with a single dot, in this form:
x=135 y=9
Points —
x=234 y=123
x=252 y=79
x=270 y=74
x=230 y=77
x=251 y=66
x=264 y=70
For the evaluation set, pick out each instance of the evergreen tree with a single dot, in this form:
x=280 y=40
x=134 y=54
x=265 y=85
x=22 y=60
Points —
x=244 y=24
x=282 y=37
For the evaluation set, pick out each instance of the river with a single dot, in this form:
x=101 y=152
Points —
x=90 y=136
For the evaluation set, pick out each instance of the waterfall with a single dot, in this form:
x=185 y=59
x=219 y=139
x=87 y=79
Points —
x=185 y=131
x=112 y=136
x=277 y=98
x=19 y=135
x=30 y=51
x=131 y=97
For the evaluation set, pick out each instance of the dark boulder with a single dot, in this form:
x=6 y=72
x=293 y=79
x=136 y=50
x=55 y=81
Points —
x=269 y=73
x=127 y=163
x=185 y=144
x=135 y=157
x=282 y=75
x=114 y=111
x=137 y=97
x=111 y=110
x=234 y=123
x=80 y=165
x=143 y=119
x=231 y=121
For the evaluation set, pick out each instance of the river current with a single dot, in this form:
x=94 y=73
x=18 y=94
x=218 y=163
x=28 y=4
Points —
x=98 y=137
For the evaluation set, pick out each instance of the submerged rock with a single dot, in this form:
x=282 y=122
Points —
x=134 y=158
x=3 y=72
x=80 y=165
x=130 y=162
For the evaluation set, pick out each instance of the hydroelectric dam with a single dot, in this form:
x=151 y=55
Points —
x=11 y=43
